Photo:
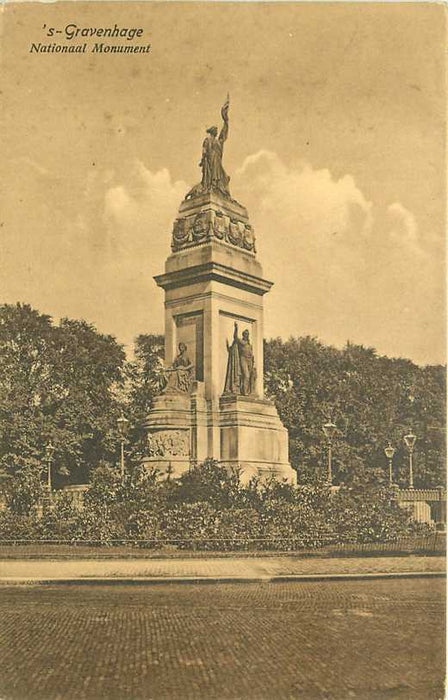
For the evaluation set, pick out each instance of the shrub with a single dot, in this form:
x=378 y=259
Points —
x=210 y=483
x=372 y=515
x=209 y=509
x=24 y=490
x=14 y=526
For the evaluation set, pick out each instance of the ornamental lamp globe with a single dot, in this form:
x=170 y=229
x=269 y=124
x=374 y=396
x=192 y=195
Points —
x=389 y=451
x=122 y=423
x=329 y=430
x=410 y=439
x=49 y=450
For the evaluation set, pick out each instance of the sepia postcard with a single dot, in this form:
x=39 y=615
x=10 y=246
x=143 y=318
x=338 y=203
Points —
x=222 y=350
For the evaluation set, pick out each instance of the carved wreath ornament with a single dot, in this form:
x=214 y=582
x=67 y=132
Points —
x=200 y=227
x=220 y=226
x=180 y=232
x=207 y=225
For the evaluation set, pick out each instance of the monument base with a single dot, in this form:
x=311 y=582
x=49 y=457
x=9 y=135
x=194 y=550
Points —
x=252 y=438
x=169 y=434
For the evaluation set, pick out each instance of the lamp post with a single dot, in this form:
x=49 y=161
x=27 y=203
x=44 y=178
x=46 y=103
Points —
x=389 y=451
x=49 y=451
x=410 y=439
x=329 y=430
x=122 y=423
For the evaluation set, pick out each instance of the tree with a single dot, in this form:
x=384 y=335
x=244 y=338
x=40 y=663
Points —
x=56 y=385
x=67 y=383
x=371 y=400
x=142 y=382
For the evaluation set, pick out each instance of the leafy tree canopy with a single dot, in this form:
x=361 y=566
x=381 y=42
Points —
x=371 y=399
x=67 y=384
x=57 y=384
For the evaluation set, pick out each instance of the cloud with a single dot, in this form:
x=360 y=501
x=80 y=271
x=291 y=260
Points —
x=306 y=197
x=95 y=260
x=143 y=205
x=404 y=229
x=318 y=219
x=133 y=232
x=312 y=231
x=343 y=267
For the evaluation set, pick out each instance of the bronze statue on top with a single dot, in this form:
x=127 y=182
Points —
x=241 y=372
x=214 y=177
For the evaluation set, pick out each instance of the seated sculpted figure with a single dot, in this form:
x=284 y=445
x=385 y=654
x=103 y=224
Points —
x=241 y=372
x=179 y=376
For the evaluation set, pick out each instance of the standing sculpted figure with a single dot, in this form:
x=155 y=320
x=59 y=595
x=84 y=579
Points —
x=241 y=372
x=214 y=176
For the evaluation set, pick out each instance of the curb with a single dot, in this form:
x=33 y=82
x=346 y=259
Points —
x=198 y=556
x=158 y=580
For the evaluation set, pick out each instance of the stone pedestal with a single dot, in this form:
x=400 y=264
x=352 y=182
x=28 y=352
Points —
x=177 y=431
x=212 y=280
x=253 y=438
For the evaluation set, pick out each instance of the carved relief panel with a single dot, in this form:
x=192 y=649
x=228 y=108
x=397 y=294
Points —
x=169 y=443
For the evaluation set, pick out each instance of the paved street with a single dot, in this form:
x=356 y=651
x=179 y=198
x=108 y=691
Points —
x=350 y=639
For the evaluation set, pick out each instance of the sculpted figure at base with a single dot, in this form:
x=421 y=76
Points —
x=214 y=177
x=241 y=372
x=179 y=377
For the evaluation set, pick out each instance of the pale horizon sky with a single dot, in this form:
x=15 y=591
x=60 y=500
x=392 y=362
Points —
x=336 y=147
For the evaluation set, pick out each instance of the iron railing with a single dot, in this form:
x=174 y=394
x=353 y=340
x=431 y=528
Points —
x=434 y=543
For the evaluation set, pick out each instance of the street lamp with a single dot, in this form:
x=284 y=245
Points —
x=410 y=439
x=122 y=423
x=49 y=451
x=329 y=430
x=389 y=451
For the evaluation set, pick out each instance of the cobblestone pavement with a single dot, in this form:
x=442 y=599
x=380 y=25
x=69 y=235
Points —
x=215 y=568
x=320 y=640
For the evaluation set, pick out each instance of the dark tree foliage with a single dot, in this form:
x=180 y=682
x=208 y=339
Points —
x=143 y=382
x=371 y=399
x=57 y=384
x=68 y=384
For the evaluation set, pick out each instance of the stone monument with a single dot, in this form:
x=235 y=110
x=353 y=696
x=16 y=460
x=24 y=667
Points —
x=212 y=403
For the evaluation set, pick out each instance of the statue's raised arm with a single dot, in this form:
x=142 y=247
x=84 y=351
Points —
x=225 y=118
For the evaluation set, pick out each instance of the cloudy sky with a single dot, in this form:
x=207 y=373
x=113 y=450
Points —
x=336 y=147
